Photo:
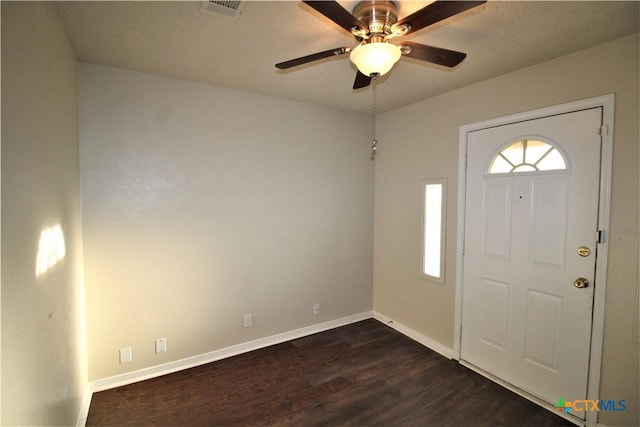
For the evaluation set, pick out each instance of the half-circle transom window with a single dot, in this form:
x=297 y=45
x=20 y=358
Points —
x=528 y=155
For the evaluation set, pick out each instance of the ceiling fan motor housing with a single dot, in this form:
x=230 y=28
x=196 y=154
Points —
x=379 y=16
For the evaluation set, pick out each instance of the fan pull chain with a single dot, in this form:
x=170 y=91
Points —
x=374 y=145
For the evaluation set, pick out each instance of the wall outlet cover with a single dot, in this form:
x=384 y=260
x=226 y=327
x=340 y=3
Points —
x=126 y=355
x=248 y=320
x=161 y=345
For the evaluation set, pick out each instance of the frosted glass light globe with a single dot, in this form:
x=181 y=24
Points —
x=375 y=58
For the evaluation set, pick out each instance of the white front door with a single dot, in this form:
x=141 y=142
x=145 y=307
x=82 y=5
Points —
x=530 y=250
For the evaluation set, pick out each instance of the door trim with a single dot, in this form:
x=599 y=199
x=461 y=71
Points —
x=607 y=103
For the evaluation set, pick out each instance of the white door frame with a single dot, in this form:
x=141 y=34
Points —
x=607 y=103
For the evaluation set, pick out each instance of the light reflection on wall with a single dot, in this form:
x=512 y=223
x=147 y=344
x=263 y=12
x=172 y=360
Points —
x=50 y=249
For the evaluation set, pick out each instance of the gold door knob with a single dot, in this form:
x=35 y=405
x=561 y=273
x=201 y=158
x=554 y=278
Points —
x=581 y=282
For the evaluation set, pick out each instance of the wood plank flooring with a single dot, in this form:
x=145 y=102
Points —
x=364 y=374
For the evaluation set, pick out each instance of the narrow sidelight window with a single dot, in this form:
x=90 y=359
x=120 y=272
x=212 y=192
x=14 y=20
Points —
x=434 y=191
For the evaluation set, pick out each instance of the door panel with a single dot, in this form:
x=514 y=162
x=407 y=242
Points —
x=549 y=220
x=494 y=316
x=497 y=218
x=543 y=329
x=523 y=319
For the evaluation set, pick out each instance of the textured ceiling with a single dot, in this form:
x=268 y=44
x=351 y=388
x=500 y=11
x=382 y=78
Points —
x=177 y=39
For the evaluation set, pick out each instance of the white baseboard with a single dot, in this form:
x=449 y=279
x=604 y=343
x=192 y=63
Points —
x=84 y=407
x=415 y=335
x=190 y=362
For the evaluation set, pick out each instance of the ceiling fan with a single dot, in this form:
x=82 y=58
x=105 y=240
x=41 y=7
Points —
x=373 y=23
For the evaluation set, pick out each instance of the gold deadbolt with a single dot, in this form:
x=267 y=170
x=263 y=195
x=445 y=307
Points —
x=584 y=251
x=581 y=282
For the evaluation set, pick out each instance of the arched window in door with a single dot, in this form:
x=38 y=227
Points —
x=527 y=155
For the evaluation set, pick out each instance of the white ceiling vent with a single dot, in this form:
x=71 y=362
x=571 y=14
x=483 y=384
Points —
x=227 y=8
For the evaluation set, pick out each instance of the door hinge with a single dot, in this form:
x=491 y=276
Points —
x=604 y=130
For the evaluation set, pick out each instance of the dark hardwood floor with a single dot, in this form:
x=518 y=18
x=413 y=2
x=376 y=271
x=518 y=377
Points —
x=361 y=374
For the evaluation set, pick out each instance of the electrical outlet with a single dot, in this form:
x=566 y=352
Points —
x=126 y=355
x=316 y=309
x=248 y=320
x=161 y=345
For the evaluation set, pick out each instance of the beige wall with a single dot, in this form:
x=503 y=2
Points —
x=44 y=374
x=421 y=141
x=201 y=204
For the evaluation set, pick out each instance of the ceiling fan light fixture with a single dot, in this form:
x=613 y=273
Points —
x=375 y=58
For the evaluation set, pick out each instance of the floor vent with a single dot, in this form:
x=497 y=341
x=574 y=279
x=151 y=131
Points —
x=228 y=8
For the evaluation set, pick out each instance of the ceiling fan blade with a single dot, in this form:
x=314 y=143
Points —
x=437 y=55
x=361 y=81
x=435 y=12
x=313 y=57
x=338 y=14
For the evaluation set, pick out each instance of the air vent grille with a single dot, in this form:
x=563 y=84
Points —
x=228 y=8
